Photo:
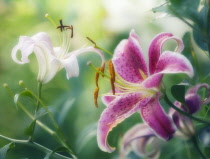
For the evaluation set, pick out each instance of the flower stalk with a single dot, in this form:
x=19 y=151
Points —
x=60 y=137
x=35 y=145
x=57 y=135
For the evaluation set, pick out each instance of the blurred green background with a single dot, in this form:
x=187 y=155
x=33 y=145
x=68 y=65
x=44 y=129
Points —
x=107 y=22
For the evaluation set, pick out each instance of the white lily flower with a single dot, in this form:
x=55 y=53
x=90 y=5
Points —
x=51 y=59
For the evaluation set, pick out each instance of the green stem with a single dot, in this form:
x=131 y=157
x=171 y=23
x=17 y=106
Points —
x=35 y=145
x=103 y=50
x=96 y=46
x=39 y=89
x=60 y=137
x=194 y=141
x=43 y=126
x=183 y=112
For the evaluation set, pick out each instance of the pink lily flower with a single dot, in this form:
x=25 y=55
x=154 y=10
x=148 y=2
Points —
x=193 y=102
x=137 y=139
x=138 y=86
x=140 y=136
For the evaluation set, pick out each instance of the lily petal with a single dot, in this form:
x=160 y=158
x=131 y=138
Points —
x=129 y=60
x=119 y=109
x=155 y=48
x=26 y=46
x=193 y=99
x=106 y=99
x=42 y=62
x=43 y=38
x=139 y=136
x=40 y=44
x=85 y=50
x=169 y=63
x=140 y=147
x=53 y=68
x=71 y=66
x=181 y=121
x=154 y=115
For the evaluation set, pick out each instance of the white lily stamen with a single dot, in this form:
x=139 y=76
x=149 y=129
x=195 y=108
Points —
x=66 y=43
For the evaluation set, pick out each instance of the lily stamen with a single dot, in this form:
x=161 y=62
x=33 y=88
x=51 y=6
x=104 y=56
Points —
x=97 y=76
x=112 y=85
x=111 y=69
x=96 y=96
x=103 y=68
x=112 y=75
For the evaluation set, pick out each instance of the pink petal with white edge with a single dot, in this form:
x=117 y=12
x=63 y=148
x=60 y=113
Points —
x=172 y=62
x=156 y=118
x=155 y=48
x=118 y=110
x=169 y=63
x=128 y=59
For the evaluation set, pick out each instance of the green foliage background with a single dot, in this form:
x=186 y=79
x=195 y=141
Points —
x=26 y=17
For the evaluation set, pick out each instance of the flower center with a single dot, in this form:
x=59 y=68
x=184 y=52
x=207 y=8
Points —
x=66 y=34
x=126 y=87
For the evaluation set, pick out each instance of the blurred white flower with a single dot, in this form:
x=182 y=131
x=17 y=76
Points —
x=51 y=59
x=122 y=15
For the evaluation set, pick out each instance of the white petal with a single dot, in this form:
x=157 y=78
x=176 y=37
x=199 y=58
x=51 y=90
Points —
x=42 y=62
x=85 y=50
x=57 y=51
x=26 y=46
x=54 y=67
x=71 y=66
x=43 y=38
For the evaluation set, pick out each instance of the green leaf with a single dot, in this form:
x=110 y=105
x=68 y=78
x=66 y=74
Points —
x=179 y=8
x=41 y=112
x=18 y=95
x=200 y=30
x=29 y=131
x=64 y=109
x=86 y=136
x=178 y=91
x=58 y=149
x=4 y=150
